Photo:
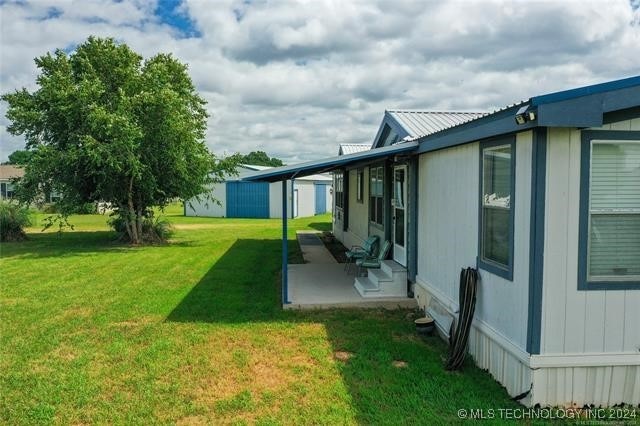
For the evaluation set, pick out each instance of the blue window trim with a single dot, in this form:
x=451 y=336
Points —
x=536 y=241
x=494 y=268
x=583 y=237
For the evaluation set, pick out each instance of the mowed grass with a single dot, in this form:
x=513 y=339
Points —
x=192 y=332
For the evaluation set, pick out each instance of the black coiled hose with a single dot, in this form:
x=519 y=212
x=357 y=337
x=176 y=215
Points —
x=459 y=337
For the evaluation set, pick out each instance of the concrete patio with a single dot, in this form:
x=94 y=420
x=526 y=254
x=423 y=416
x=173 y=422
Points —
x=322 y=283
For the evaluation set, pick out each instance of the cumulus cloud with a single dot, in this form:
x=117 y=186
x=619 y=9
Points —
x=296 y=78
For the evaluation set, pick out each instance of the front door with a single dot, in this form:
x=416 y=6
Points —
x=399 y=208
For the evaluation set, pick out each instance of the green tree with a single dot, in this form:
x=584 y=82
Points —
x=106 y=125
x=20 y=157
x=260 y=158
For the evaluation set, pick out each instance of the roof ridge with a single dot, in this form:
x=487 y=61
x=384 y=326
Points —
x=418 y=111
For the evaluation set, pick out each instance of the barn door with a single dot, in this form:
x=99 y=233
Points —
x=321 y=198
x=248 y=199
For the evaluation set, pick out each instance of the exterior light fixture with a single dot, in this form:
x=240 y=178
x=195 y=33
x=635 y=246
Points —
x=523 y=115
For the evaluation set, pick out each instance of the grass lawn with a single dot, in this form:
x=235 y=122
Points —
x=192 y=332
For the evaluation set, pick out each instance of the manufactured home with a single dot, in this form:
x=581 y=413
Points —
x=8 y=175
x=306 y=196
x=543 y=198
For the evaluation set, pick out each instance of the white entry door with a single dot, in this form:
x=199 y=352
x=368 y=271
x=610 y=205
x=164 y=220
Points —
x=399 y=210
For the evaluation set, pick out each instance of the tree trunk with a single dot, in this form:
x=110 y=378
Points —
x=139 y=218
x=131 y=216
x=125 y=216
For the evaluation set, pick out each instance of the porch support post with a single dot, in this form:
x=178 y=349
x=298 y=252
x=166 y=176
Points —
x=285 y=247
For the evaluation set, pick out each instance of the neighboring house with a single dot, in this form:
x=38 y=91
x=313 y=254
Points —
x=543 y=197
x=311 y=195
x=8 y=173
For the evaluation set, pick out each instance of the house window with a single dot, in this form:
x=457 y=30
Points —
x=340 y=190
x=497 y=167
x=610 y=211
x=360 y=186
x=376 y=195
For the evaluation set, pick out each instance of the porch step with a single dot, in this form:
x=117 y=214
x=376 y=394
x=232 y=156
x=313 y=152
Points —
x=391 y=266
x=388 y=281
x=379 y=277
x=366 y=287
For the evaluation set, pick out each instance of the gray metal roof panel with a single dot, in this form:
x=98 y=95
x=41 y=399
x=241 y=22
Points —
x=423 y=123
x=352 y=148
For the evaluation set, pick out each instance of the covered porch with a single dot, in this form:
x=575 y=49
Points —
x=323 y=283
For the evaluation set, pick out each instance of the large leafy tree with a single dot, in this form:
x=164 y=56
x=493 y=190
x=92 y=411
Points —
x=260 y=158
x=106 y=125
x=19 y=157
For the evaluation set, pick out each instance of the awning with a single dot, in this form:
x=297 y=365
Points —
x=328 y=164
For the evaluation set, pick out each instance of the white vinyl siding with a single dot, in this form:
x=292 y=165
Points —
x=614 y=211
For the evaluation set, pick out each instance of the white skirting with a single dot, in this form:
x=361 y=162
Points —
x=576 y=379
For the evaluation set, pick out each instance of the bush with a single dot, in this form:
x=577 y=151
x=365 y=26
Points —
x=85 y=208
x=13 y=218
x=154 y=230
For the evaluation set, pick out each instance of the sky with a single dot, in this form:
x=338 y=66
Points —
x=297 y=78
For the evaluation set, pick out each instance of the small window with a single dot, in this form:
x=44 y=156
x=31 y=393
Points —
x=340 y=190
x=610 y=217
x=497 y=166
x=376 y=195
x=360 y=186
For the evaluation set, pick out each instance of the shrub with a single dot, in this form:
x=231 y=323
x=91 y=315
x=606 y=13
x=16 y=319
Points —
x=13 y=218
x=84 y=208
x=154 y=229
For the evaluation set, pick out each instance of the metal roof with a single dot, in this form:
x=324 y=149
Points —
x=328 y=164
x=423 y=123
x=352 y=148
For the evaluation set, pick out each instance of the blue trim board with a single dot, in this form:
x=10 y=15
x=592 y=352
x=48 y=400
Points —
x=412 y=228
x=536 y=238
x=581 y=107
x=583 y=237
x=327 y=164
x=506 y=273
x=586 y=91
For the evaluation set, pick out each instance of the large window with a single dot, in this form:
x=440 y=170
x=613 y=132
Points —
x=376 y=195
x=497 y=166
x=610 y=212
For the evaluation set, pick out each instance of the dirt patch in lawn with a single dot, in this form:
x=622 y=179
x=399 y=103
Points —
x=237 y=364
x=137 y=322
x=400 y=364
x=334 y=246
x=343 y=356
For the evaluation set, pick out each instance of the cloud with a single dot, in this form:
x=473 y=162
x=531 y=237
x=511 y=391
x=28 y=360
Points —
x=297 y=78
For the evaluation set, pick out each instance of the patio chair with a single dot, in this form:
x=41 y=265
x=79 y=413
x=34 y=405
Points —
x=374 y=262
x=368 y=248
